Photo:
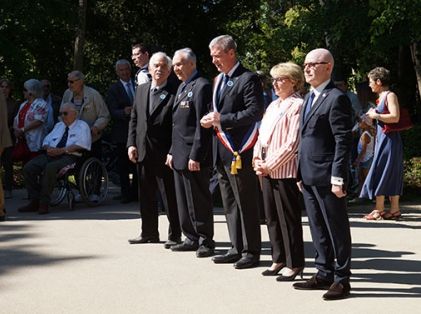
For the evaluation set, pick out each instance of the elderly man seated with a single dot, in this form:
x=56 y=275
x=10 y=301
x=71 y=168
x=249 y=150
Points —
x=62 y=147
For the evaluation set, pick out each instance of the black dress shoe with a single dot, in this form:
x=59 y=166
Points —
x=337 y=291
x=171 y=243
x=297 y=271
x=226 y=258
x=247 y=262
x=141 y=240
x=184 y=247
x=314 y=283
x=204 y=251
x=269 y=272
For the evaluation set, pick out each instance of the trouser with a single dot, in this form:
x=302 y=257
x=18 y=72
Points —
x=40 y=175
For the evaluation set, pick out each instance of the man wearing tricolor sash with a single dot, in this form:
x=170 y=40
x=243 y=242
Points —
x=237 y=106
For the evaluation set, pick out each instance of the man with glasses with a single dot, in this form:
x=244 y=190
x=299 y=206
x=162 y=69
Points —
x=326 y=122
x=90 y=106
x=61 y=147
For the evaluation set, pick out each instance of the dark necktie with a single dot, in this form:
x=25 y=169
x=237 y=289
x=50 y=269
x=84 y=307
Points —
x=153 y=99
x=63 y=140
x=308 y=105
x=221 y=87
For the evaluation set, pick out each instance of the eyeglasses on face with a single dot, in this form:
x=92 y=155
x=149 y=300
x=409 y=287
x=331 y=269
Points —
x=25 y=90
x=312 y=65
x=279 y=79
x=64 y=113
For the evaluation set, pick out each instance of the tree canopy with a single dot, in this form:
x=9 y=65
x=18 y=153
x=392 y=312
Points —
x=37 y=38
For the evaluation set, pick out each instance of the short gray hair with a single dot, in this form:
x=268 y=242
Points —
x=225 y=42
x=78 y=75
x=34 y=87
x=187 y=53
x=121 y=62
x=160 y=55
x=69 y=105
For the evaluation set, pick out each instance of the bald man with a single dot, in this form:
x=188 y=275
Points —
x=325 y=144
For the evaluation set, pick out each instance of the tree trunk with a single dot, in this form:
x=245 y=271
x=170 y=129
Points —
x=80 y=38
x=416 y=60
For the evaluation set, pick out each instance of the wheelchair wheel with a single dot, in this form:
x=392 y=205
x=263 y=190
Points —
x=93 y=182
x=59 y=192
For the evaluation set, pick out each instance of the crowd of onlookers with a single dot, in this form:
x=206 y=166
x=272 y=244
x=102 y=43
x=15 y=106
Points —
x=275 y=147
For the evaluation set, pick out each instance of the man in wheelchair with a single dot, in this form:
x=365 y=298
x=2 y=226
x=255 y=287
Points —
x=61 y=147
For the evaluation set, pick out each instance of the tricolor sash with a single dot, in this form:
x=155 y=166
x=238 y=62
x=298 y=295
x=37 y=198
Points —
x=248 y=141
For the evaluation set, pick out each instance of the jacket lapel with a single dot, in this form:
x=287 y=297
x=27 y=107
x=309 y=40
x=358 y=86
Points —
x=316 y=105
x=158 y=99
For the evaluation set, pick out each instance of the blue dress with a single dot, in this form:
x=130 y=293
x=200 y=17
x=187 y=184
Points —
x=385 y=176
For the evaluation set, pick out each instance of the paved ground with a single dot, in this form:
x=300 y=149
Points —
x=80 y=262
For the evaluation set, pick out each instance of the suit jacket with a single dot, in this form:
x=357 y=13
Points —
x=151 y=133
x=189 y=139
x=240 y=105
x=116 y=100
x=325 y=138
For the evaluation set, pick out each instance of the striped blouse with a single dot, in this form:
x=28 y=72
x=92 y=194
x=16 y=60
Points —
x=283 y=137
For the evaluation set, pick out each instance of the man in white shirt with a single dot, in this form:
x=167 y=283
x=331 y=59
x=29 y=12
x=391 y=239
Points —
x=62 y=147
x=140 y=57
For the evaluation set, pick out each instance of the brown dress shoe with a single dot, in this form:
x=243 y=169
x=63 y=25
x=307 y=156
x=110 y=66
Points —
x=314 y=283
x=337 y=291
x=43 y=209
x=31 y=207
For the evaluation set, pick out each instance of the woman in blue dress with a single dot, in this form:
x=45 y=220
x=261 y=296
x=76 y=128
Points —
x=385 y=177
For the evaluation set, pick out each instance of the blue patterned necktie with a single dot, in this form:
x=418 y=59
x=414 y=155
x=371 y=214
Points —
x=129 y=91
x=308 y=105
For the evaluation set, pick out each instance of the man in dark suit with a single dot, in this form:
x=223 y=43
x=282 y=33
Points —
x=140 y=57
x=119 y=100
x=237 y=106
x=148 y=144
x=323 y=166
x=190 y=156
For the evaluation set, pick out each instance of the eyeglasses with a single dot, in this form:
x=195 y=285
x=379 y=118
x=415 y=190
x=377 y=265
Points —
x=72 y=81
x=312 y=65
x=279 y=79
x=63 y=113
x=25 y=90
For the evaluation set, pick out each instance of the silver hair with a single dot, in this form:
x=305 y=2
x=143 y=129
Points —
x=225 y=42
x=78 y=75
x=121 y=62
x=69 y=105
x=34 y=87
x=187 y=53
x=158 y=56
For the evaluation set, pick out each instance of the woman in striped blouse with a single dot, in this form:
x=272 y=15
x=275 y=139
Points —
x=275 y=161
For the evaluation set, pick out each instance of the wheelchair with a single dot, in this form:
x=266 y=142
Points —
x=88 y=177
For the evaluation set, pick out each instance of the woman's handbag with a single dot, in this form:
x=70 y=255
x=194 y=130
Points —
x=403 y=124
x=21 y=151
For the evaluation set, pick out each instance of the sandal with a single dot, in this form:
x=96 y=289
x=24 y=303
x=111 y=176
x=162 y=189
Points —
x=375 y=215
x=392 y=216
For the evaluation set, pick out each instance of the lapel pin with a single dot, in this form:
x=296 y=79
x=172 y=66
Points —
x=189 y=94
x=230 y=83
x=162 y=96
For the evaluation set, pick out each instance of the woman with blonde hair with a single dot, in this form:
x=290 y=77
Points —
x=275 y=160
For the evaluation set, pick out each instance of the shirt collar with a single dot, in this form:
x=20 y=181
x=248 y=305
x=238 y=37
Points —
x=158 y=87
x=191 y=77
x=317 y=91
x=231 y=72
